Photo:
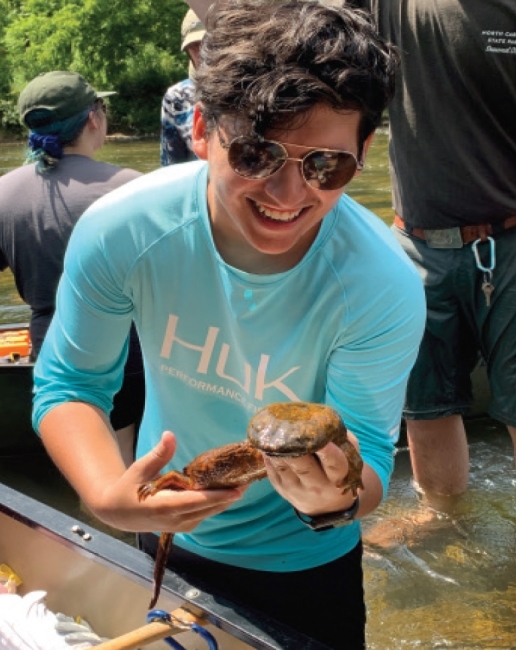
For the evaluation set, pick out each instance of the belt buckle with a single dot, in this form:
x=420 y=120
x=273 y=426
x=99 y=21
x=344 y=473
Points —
x=444 y=238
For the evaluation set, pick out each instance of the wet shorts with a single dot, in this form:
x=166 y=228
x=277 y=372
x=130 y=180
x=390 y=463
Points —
x=325 y=603
x=460 y=326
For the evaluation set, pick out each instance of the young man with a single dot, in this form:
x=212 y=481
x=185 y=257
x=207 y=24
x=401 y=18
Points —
x=454 y=189
x=41 y=202
x=178 y=101
x=252 y=279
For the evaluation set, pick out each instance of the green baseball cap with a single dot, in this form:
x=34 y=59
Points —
x=192 y=29
x=62 y=94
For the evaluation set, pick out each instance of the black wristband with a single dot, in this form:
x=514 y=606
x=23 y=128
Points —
x=329 y=520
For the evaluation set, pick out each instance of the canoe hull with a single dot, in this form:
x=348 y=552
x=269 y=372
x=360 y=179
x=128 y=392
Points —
x=17 y=436
x=108 y=582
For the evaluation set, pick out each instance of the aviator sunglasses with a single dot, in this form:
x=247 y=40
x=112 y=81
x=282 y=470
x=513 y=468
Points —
x=323 y=169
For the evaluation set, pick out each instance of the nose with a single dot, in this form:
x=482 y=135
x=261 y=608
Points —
x=287 y=187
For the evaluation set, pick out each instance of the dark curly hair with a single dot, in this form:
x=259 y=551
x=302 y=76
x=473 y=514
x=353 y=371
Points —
x=272 y=61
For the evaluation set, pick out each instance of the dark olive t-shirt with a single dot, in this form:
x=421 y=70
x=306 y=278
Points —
x=37 y=215
x=453 y=118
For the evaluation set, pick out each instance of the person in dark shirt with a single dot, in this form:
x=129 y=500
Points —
x=41 y=202
x=453 y=167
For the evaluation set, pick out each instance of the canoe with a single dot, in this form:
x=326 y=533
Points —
x=16 y=392
x=108 y=583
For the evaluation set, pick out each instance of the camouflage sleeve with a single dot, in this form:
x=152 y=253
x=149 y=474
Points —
x=176 y=124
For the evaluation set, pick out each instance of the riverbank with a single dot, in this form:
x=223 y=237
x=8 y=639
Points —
x=9 y=138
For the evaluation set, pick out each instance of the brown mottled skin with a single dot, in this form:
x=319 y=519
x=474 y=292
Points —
x=300 y=428
x=281 y=429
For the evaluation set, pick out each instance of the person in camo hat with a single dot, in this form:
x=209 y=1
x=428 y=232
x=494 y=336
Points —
x=178 y=101
x=41 y=202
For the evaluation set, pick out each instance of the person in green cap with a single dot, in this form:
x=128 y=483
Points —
x=178 y=101
x=42 y=201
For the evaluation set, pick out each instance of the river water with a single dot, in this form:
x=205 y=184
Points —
x=433 y=578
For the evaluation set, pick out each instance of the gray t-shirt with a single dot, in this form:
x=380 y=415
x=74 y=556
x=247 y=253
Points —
x=37 y=215
x=453 y=118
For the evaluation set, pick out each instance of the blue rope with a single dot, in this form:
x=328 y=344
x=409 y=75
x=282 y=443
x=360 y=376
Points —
x=209 y=638
x=169 y=640
x=159 y=614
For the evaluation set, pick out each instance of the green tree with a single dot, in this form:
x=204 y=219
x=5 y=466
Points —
x=131 y=47
x=8 y=116
x=5 y=65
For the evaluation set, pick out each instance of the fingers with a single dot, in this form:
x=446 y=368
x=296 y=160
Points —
x=297 y=478
x=189 y=509
x=334 y=462
x=293 y=471
x=181 y=511
x=194 y=501
x=329 y=465
x=310 y=483
x=149 y=466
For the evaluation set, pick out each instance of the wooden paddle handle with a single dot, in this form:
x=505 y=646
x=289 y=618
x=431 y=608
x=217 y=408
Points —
x=150 y=632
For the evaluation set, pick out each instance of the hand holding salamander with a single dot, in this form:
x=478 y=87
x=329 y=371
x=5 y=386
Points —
x=282 y=430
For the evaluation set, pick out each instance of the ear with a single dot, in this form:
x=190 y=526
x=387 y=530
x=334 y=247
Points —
x=93 y=121
x=365 y=149
x=199 y=135
x=367 y=144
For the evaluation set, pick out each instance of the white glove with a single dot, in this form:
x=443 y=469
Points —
x=77 y=635
x=27 y=624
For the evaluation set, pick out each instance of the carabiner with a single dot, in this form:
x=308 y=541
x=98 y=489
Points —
x=160 y=615
x=480 y=266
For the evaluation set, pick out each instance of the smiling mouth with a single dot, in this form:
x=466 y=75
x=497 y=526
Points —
x=283 y=216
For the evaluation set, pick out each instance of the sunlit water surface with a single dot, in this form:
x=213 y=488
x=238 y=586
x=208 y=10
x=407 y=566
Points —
x=432 y=579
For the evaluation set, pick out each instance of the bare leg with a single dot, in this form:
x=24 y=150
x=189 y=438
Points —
x=512 y=431
x=439 y=454
x=125 y=439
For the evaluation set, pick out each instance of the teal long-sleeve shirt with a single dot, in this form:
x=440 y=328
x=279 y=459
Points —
x=342 y=327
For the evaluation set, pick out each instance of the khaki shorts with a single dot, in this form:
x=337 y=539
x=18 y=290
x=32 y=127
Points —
x=460 y=326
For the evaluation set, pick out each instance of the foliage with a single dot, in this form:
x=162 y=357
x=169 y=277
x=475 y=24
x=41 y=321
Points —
x=5 y=66
x=136 y=106
x=131 y=47
x=9 y=118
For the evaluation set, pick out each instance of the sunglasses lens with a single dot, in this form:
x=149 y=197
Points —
x=251 y=158
x=329 y=170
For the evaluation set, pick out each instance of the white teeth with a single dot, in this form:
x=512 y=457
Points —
x=277 y=215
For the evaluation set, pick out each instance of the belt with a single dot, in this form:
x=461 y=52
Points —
x=468 y=234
